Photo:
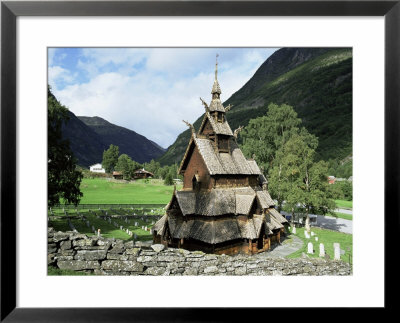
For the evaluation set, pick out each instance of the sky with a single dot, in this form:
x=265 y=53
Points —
x=148 y=90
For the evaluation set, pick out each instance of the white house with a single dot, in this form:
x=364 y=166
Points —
x=97 y=168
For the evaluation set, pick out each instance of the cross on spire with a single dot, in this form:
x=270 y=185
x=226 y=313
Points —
x=216 y=89
x=216 y=66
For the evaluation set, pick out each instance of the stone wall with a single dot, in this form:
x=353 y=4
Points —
x=101 y=256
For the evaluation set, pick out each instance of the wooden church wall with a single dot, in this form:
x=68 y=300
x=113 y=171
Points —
x=196 y=166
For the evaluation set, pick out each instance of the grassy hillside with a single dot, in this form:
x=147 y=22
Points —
x=316 y=82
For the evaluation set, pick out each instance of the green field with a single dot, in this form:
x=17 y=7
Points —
x=327 y=237
x=106 y=191
x=344 y=204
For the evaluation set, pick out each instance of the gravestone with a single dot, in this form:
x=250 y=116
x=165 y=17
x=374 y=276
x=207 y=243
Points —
x=306 y=235
x=120 y=227
x=336 y=247
x=98 y=232
x=321 y=250
x=310 y=248
x=316 y=238
x=294 y=230
x=312 y=234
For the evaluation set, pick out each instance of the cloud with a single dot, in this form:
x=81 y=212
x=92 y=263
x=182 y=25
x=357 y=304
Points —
x=59 y=76
x=152 y=90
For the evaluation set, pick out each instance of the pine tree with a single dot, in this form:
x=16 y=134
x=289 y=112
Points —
x=110 y=158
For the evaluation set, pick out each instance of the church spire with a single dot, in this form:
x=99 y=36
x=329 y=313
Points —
x=216 y=90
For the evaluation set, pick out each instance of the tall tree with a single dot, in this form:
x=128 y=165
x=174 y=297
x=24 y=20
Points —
x=110 y=158
x=63 y=177
x=126 y=166
x=263 y=136
x=310 y=187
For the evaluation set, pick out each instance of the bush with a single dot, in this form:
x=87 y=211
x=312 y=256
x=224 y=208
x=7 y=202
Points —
x=168 y=179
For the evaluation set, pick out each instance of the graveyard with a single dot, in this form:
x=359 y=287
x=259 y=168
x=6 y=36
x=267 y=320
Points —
x=327 y=238
x=109 y=221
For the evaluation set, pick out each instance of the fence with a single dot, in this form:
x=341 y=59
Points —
x=106 y=206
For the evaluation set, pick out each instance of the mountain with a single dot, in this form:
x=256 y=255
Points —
x=317 y=82
x=90 y=136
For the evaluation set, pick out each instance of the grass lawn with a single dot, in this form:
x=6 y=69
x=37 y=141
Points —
x=344 y=204
x=105 y=191
x=327 y=237
x=344 y=216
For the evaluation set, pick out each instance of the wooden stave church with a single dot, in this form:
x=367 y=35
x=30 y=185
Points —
x=224 y=206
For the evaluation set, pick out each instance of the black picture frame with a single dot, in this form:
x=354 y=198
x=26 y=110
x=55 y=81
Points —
x=10 y=10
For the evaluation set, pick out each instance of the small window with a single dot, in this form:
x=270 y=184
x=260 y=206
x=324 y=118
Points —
x=195 y=182
x=220 y=117
x=223 y=145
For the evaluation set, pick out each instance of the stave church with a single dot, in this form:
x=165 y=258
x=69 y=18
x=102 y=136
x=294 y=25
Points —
x=224 y=206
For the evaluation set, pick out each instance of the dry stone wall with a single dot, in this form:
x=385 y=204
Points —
x=101 y=256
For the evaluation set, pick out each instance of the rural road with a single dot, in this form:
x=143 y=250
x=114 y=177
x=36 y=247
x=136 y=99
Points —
x=331 y=223
x=337 y=224
x=345 y=211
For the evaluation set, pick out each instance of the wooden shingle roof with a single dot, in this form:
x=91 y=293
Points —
x=219 y=163
x=220 y=201
x=214 y=232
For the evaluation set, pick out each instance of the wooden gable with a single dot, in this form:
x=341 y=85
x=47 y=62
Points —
x=195 y=168
x=206 y=128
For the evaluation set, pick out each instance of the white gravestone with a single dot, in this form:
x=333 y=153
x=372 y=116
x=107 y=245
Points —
x=312 y=234
x=321 y=250
x=310 y=248
x=316 y=238
x=306 y=235
x=294 y=230
x=98 y=232
x=336 y=247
